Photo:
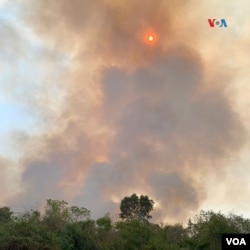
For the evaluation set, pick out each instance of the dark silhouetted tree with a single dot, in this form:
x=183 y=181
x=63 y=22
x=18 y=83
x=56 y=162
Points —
x=135 y=207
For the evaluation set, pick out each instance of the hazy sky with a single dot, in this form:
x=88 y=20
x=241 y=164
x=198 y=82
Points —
x=90 y=111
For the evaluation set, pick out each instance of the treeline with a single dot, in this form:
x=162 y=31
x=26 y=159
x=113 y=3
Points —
x=61 y=226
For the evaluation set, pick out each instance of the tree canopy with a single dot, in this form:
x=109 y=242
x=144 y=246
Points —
x=135 y=207
x=63 y=227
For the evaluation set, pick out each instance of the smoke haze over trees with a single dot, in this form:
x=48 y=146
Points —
x=61 y=226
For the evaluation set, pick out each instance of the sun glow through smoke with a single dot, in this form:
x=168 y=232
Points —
x=150 y=38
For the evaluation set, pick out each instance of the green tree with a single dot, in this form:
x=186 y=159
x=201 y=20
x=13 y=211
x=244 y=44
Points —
x=58 y=214
x=26 y=231
x=71 y=225
x=77 y=214
x=105 y=232
x=135 y=207
x=5 y=214
x=104 y=223
x=205 y=232
x=131 y=235
x=79 y=236
x=175 y=233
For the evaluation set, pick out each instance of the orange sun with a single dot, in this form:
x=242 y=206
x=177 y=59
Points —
x=150 y=38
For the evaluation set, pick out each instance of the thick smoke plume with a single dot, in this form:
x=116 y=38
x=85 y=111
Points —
x=135 y=118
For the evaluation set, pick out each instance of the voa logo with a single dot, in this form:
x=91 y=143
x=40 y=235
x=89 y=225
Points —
x=219 y=23
x=236 y=241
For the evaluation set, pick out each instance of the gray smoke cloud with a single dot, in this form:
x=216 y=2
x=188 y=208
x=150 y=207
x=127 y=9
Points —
x=135 y=117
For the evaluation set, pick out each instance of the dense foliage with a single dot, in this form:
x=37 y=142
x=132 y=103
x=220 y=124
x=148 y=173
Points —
x=66 y=227
x=135 y=207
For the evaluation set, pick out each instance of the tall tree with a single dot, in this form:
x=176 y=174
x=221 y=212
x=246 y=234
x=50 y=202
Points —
x=135 y=207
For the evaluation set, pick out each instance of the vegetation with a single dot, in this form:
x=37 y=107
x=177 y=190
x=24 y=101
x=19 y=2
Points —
x=135 y=207
x=66 y=227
